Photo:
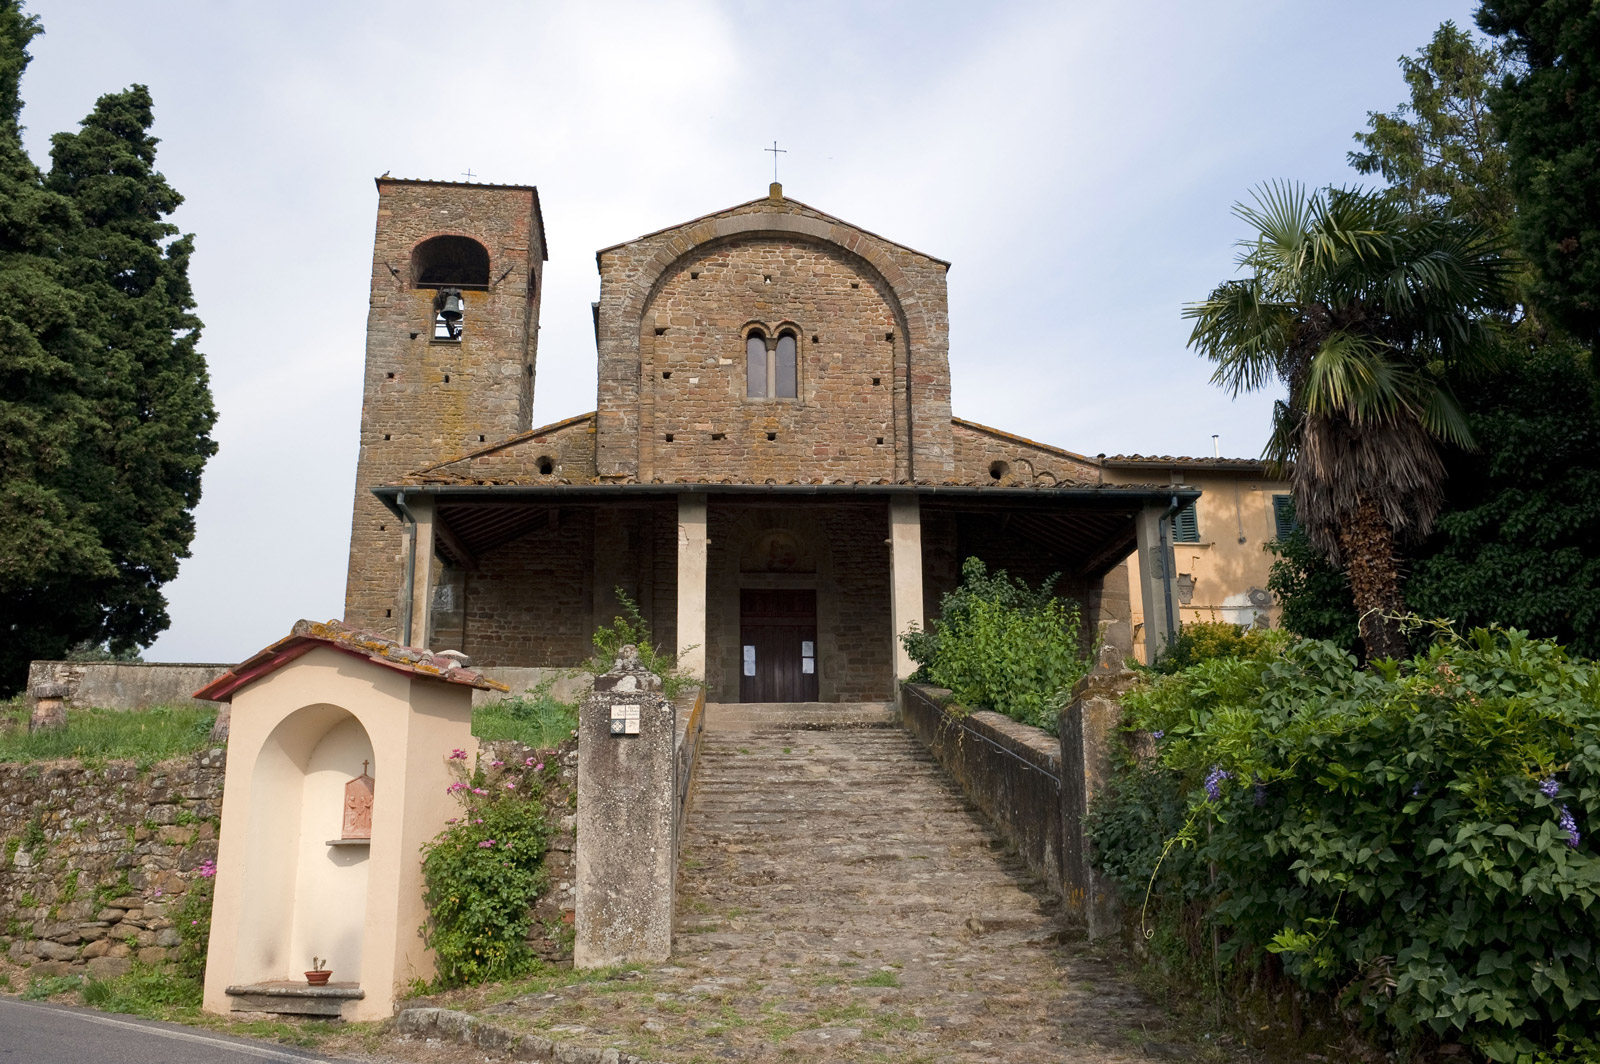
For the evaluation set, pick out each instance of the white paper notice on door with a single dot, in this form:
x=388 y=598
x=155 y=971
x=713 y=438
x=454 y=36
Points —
x=808 y=665
x=808 y=649
x=749 y=661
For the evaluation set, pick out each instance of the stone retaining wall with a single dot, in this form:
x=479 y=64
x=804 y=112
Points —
x=125 y=685
x=1035 y=788
x=96 y=859
x=1010 y=771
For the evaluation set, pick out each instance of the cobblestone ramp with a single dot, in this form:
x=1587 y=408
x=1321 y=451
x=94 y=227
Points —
x=843 y=902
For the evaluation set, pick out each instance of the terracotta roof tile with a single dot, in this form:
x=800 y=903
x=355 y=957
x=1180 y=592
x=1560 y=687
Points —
x=381 y=650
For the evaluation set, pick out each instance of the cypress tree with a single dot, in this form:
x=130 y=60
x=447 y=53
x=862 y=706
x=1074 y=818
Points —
x=48 y=541
x=146 y=379
x=105 y=410
x=1548 y=110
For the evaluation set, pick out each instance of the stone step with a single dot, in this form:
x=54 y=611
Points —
x=798 y=716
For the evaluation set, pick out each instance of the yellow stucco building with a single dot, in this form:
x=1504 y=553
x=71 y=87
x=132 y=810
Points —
x=1219 y=542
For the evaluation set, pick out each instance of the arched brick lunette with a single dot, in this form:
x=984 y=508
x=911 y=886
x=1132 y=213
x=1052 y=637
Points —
x=630 y=274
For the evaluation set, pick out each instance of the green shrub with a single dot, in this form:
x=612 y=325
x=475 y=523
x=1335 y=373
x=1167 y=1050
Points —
x=537 y=719
x=1413 y=840
x=146 y=736
x=41 y=987
x=1203 y=641
x=483 y=873
x=158 y=993
x=192 y=920
x=999 y=644
x=629 y=628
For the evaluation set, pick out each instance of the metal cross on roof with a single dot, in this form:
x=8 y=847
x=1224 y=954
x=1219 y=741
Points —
x=469 y=175
x=776 y=151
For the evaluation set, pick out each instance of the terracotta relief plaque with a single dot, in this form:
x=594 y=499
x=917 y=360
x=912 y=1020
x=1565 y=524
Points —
x=358 y=806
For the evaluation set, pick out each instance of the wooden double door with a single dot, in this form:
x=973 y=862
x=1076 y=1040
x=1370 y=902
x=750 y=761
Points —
x=778 y=646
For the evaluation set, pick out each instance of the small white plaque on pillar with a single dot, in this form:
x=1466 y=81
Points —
x=749 y=661
x=625 y=719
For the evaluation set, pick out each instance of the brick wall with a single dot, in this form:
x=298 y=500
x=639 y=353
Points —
x=648 y=284
x=850 y=561
x=411 y=414
x=537 y=600
x=694 y=331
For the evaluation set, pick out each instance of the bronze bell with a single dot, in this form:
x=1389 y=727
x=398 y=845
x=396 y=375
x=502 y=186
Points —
x=450 y=305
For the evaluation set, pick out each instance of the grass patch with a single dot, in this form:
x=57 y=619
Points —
x=537 y=719
x=42 y=987
x=547 y=977
x=145 y=736
x=879 y=979
x=157 y=993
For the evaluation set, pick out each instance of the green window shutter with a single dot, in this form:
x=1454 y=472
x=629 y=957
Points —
x=1283 y=515
x=1185 y=526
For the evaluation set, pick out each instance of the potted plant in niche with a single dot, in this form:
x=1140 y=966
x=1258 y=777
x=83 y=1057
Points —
x=318 y=975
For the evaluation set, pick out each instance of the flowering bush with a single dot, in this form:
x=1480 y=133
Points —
x=192 y=920
x=484 y=871
x=1415 y=839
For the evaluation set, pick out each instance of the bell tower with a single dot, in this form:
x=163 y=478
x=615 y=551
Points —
x=452 y=334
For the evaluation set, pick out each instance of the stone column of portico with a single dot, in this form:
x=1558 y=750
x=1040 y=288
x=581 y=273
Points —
x=905 y=554
x=692 y=585
x=1156 y=568
x=423 y=567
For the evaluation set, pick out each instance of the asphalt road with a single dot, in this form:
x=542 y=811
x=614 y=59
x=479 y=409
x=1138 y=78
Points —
x=36 y=1033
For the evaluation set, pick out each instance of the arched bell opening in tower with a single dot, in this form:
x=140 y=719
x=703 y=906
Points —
x=447 y=314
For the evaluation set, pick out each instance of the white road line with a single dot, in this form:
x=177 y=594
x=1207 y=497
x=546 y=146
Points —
x=183 y=1036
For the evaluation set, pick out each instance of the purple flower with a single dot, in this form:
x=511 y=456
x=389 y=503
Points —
x=1214 y=781
x=1158 y=734
x=1416 y=789
x=485 y=844
x=458 y=755
x=1569 y=824
x=207 y=869
x=1549 y=787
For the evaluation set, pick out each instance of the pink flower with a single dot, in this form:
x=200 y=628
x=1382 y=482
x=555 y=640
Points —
x=485 y=844
x=478 y=821
x=528 y=763
x=539 y=767
x=511 y=785
x=456 y=786
x=207 y=869
x=496 y=764
x=479 y=790
x=158 y=892
x=458 y=755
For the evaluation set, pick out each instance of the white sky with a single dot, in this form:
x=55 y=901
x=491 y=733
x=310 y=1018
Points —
x=1075 y=161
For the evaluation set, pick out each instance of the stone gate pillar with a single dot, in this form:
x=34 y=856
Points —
x=626 y=859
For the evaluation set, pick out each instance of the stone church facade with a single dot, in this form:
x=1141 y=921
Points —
x=772 y=470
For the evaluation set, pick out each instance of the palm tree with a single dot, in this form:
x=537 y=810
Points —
x=1364 y=310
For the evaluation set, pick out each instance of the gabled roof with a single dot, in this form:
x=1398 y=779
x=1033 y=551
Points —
x=789 y=201
x=307 y=636
x=1012 y=437
x=1244 y=465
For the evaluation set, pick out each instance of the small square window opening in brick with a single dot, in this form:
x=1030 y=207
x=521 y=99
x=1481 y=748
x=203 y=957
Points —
x=772 y=435
x=877 y=381
x=719 y=435
x=669 y=437
x=666 y=375
x=389 y=375
x=880 y=441
x=661 y=330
